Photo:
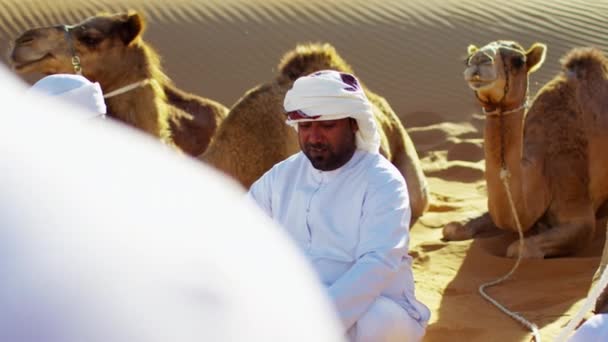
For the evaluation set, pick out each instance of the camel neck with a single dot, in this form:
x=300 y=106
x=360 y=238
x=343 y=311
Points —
x=141 y=64
x=503 y=137
x=142 y=108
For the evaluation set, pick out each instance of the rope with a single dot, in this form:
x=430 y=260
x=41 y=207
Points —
x=590 y=301
x=127 y=88
x=504 y=175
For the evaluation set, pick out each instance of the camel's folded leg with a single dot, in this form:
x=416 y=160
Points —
x=457 y=231
x=564 y=238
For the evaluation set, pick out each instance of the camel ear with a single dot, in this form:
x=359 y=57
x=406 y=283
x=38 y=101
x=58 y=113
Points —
x=535 y=56
x=472 y=49
x=132 y=26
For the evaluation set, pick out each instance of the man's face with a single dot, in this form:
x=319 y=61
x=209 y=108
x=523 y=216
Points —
x=328 y=144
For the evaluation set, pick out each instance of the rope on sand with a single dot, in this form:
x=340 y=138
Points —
x=504 y=175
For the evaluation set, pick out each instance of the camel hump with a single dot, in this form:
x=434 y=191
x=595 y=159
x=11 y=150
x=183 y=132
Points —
x=583 y=61
x=308 y=58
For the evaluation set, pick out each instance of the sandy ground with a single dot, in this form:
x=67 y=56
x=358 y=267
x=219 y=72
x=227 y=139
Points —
x=412 y=53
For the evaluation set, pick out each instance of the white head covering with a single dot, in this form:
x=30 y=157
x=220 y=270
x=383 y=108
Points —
x=75 y=89
x=333 y=95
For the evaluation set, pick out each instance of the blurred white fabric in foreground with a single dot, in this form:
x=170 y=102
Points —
x=107 y=236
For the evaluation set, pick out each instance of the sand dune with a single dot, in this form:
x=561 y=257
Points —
x=412 y=53
x=413 y=50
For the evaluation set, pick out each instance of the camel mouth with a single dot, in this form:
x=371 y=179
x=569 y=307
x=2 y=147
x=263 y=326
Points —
x=479 y=84
x=20 y=66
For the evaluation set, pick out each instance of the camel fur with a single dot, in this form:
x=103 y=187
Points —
x=112 y=52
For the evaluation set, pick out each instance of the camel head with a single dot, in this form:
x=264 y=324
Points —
x=308 y=58
x=498 y=72
x=98 y=42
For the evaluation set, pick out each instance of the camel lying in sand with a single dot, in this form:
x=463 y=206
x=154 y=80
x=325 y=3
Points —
x=254 y=136
x=555 y=154
x=109 y=49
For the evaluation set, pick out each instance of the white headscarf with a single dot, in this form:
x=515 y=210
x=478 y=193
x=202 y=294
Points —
x=75 y=89
x=333 y=95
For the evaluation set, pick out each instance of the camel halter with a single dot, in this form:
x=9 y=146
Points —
x=498 y=112
x=75 y=59
x=504 y=177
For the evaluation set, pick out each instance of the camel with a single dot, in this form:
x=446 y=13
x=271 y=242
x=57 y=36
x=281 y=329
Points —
x=554 y=154
x=254 y=136
x=109 y=49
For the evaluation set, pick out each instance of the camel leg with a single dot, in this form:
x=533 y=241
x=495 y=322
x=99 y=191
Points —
x=457 y=231
x=570 y=214
x=568 y=235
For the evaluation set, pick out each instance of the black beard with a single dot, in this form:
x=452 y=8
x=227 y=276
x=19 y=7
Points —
x=329 y=160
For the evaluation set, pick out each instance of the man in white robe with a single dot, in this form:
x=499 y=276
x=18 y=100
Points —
x=347 y=208
x=595 y=329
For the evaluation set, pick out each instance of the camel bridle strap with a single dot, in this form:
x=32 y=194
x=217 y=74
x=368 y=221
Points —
x=498 y=112
x=127 y=88
x=499 y=108
x=504 y=177
x=75 y=59
x=503 y=163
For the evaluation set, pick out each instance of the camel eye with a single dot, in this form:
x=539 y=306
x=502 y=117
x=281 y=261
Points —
x=518 y=62
x=91 y=41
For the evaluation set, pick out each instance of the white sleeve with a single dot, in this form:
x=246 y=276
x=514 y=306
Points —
x=261 y=193
x=384 y=238
x=594 y=329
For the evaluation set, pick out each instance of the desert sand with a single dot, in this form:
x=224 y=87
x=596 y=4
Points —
x=412 y=53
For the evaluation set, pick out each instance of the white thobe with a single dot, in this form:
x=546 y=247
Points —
x=595 y=329
x=353 y=225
